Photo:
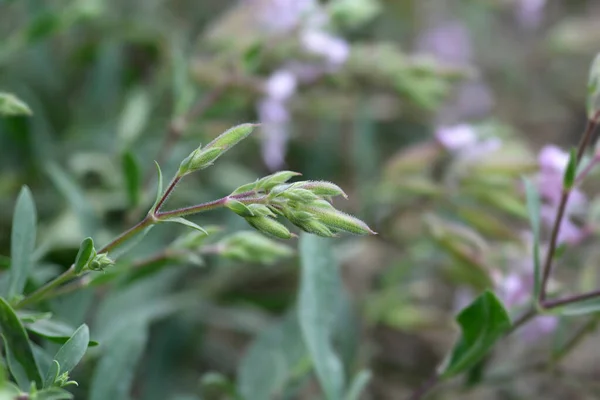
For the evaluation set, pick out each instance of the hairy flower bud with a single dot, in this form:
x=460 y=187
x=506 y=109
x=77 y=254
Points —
x=100 y=262
x=316 y=227
x=323 y=188
x=232 y=136
x=269 y=182
x=337 y=220
x=269 y=226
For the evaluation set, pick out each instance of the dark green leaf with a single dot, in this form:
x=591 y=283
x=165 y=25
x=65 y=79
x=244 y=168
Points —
x=84 y=255
x=320 y=289
x=571 y=171
x=22 y=242
x=482 y=323
x=10 y=105
x=18 y=343
x=133 y=178
x=114 y=373
x=533 y=208
x=54 y=331
x=69 y=355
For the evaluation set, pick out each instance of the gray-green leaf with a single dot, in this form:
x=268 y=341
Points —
x=320 y=289
x=69 y=355
x=22 y=242
x=188 y=223
x=133 y=178
x=11 y=105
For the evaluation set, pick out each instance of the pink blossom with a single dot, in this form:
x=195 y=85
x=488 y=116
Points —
x=449 y=42
x=281 y=85
x=540 y=326
x=457 y=137
x=279 y=16
x=530 y=12
x=332 y=48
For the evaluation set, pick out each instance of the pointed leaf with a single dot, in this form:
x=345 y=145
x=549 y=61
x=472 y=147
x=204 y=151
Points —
x=84 y=255
x=22 y=242
x=11 y=105
x=159 y=186
x=54 y=330
x=18 y=343
x=320 y=291
x=54 y=393
x=533 y=209
x=358 y=385
x=482 y=323
x=185 y=222
x=571 y=170
x=133 y=178
x=69 y=355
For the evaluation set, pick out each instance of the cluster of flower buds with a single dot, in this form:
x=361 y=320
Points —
x=305 y=204
x=205 y=157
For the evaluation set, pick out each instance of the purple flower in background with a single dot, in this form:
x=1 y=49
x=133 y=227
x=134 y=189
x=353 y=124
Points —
x=540 y=326
x=449 y=42
x=457 y=137
x=530 y=13
x=334 y=50
x=281 y=85
x=279 y=16
x=552 y=162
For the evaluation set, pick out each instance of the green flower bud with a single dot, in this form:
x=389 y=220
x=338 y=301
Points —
x=232 y=136
x=248 y=187
x=300 y=195
x=323 y=188
x=269 y=226
x=261 y=209
x=100 y=262
x=269 y=182
x=323 y=204
x=315 y=227
x=593 y=89
x=239 y=208
x=253 y=247
x=205 y=158
x=280 y=189
x=338 y=220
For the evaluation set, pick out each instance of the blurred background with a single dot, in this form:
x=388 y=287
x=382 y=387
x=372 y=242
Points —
x=426 y=112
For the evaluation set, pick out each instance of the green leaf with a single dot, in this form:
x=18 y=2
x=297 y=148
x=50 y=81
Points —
x=22 y=242
x=571 y=170
x=54 y=393
x=84 y=255
x=320 y=288
x=134 y=117
x=69 y=355
x=133 y=178
x=239 y=208
x=578 y=308
x=185 y=222
x=18 y=343
x=358 y=385
x=276 y=357
x=32 y=316
x=114 y=372
x=159 y=187
x=482 y=323
x=54 y=330
x=11 y=105
x=533 y=209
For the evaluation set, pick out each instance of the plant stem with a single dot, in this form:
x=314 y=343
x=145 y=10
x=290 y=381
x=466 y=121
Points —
x=547 y=269
x=41 y=293
x=211 y=205
x=549 y=304
x=167 y=193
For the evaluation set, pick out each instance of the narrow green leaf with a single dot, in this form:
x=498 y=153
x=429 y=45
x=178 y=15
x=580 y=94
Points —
x=533 y=209
x=133 y=178
x=320 y=288
x=482 y=323
x=134 y=117
x=580 y=308
x=69 y=355
x=18 y=343
x=114 y=373
x=11 y=105
x=53 y=330
x=571 y=170
x=159 y=186
x=22 y=242
x=185 y=222
x=32 y=316
x=358 y=385
x=84 y=255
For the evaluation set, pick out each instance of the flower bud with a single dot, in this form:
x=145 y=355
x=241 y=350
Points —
x=315 y=227
x=300 y=195
x=322 y=188
x=239 y=208
x=100 y=262
x=269 y=226
x=269 y=182
x=261 y=209
x=232 y=136
x=338 y=220
x=199 y=159
x=593 y=89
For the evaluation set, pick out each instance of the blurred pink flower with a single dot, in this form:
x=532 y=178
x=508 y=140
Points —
x=552 y=162
x=458 y=137
x=333 y=49
x=530 y=13
x=449 y=42
x=274 y=116
x=281 y=85
x=541 y=325
x=279 y=16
